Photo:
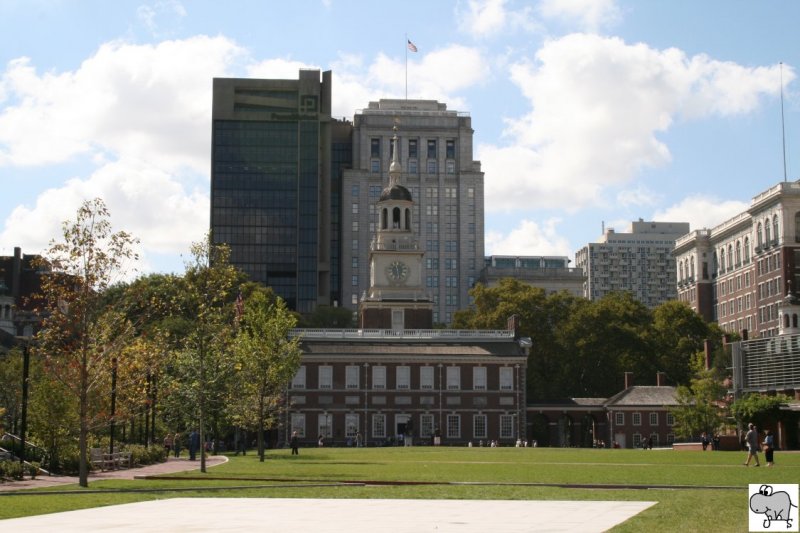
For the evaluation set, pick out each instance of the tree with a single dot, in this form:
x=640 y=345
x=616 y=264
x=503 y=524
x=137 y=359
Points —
x=266 y=355
x=758 y=409
x=208 y=294
x=80 y=334
x=325 y=316
x=700 y=406
x=678 y=334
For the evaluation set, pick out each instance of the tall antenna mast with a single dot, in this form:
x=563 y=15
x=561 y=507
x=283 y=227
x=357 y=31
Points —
x=783 y=128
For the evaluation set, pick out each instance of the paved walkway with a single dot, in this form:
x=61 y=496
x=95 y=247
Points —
x=336 y=516
x=171 y=466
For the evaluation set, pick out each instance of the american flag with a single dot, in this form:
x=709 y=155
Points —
x=411 y=46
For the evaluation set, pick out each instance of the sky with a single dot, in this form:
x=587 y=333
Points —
x=587 y=113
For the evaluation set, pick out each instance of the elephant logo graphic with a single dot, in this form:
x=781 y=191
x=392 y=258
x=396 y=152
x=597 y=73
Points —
x=777 y=505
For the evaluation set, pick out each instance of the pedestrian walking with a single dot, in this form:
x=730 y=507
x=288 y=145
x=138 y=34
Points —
x=294 y=443
x=168 y=443
x=769 y=447
x=176 y=444
x=751 y=439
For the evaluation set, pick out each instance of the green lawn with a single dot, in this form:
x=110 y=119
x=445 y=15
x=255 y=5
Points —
x=485 y=473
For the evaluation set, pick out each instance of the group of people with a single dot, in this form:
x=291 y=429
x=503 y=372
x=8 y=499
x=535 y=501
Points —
x=705 y=440
x=173 y=443
x=751 y=440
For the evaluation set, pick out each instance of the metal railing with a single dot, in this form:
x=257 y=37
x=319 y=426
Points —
x=433 y=334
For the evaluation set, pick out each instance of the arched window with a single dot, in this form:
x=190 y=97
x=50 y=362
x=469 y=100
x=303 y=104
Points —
x=738 y=253
x=759 y=236
x=786 y=320
x=794 y=320
x=722 y=260
x=691 y=270
x=746 y=250
x=681 y=274
x=730 y=257
x=384 y=219
x=775 y=232
x=766 y=232
x=715 y=262
x=408 y=219
x=396 y=218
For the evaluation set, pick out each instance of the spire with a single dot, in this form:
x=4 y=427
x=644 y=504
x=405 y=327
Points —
x=394 y=167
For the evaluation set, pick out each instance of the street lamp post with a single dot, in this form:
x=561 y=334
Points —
x=22 y=323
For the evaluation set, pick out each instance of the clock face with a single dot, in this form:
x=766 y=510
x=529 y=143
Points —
x=397 y=271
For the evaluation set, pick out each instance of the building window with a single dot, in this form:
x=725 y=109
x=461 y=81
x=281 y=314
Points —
x=324 y=423
x=451 y=281
x=355 y=225
x=637 y=419
x=378 y=377
x=431 y=148
x=451 y=264
x=412 y=166
x=653 y=439
x=479 y=427
x=506 y=378
x=506 y=426
x=413 y=149
x=670 y=438
x=326 y=377
x=670 y=419
x=426 y=377
x=619 y=419
x=431 y=166
x=453 y=426
x=352 y=377
x=299 y=380
x=351 y=425
x=354 y=245
x=453 y=378
x=432 y=210
x=432 y=281
x=479 y=378
x=375 y=166
x=299 y=424
x=450 y=246
x=470 y=192
x=450 y=149
x=432 y=193
x=354 y=191
x=426 y=425
x=637 y=440
x=653 y=419
x=403 y=377
x=354 y=299
x=450 y=166
x=379 y=426
x=354 y=280
x=375 y=148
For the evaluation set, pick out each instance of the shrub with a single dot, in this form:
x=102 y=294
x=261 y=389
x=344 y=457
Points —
x=13 y=470
x=33 y=469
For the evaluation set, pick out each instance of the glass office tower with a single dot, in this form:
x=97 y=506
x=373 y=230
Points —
x=271 y=183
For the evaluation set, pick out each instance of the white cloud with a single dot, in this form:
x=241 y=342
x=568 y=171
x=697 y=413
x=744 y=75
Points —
x=702 y=211
x=638 y=196
x=529 y=238
x=488 y=18
x=597 y=107
x=161 y=14
x=591 y=15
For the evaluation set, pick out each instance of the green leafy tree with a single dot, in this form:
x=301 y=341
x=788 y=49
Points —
x=325 y=316
x=81 y=333
x=208 y=295
x=267 y=358
x=701 y=407
x=758 y=409
x=678 y=334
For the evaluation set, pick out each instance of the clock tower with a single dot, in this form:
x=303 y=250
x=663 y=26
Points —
x=396 y=298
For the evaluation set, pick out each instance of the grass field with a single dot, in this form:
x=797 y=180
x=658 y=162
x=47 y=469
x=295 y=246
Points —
x=694 y=490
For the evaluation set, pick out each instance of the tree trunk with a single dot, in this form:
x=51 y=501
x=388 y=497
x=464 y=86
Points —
x=261 y=429
x=202 y=408
x=83 y=466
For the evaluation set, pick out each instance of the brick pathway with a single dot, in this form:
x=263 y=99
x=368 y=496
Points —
x=171 y=466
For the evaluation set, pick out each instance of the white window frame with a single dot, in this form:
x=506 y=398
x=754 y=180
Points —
x=507 y=426
x=453 y=426
x=637 y=440
x=453 y=378
x=506 y=378
x=653 y=419
x=426 y=377
x=323 y=419
x=325 y=377
x=670 y=419
x=352 y=377
x=299 y=424
x=479 y=378
x=619 y=418
x=379 y=426
x=479 y=427
x=636 y=419
x=379 y=377
x=351 y=425
x=426 y=425
x=299 y=379
x=654 y=436
x=403 y=375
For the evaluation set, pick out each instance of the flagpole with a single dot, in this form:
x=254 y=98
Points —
x=406 y=47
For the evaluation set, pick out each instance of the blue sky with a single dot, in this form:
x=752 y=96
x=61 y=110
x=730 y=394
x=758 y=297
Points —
x=586 y=112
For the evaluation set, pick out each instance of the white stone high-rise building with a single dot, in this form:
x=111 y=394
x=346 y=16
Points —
x=446 y=183
x=639 y=261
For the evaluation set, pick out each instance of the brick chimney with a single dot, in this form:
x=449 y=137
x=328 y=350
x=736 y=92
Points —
x=661 y=379
x=628 y=379
x=513 y=325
